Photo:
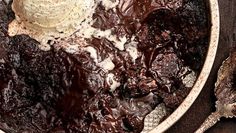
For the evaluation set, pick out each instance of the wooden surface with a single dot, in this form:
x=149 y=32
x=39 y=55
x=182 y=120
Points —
x=204 y=105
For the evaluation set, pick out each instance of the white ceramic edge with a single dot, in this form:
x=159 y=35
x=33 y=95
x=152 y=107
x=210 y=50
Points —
x=186 y=104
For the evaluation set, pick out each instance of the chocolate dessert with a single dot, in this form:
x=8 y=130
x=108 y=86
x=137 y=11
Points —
x=144 y=53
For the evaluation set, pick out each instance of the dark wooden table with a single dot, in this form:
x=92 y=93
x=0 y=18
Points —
x=204 y=105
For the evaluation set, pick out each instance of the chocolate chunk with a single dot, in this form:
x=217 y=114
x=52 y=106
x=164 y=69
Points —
x=55 y=91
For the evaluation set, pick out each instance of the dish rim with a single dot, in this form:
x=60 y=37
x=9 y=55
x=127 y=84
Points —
x=205 y=72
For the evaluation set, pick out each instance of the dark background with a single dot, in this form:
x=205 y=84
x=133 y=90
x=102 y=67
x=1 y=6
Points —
x=204 y=105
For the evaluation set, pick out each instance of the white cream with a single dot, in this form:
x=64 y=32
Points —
x=86 y=31
x=117 y=42
x=111 y=81
x=93 y=53
x=2 y=61
x=120 y=44
x=131 y=48
x=109 y=4
x=107 y=64
x=45 y=20
x=72 y=49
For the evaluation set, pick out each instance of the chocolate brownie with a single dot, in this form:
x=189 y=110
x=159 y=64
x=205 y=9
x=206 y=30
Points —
x=59 y=91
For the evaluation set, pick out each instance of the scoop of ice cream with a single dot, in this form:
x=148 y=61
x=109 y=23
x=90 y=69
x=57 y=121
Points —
x=43 y=13
x=47 y=19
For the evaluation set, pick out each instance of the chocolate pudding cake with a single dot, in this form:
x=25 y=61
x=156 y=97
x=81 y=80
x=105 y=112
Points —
x=125 y=59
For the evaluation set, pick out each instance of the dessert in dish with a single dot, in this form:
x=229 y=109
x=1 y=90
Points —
x=121 y=62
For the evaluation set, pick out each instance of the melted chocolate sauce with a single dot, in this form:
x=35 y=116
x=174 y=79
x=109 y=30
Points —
x=55 y=91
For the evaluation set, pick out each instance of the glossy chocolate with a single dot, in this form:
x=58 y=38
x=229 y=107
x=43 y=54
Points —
x=55 y=91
